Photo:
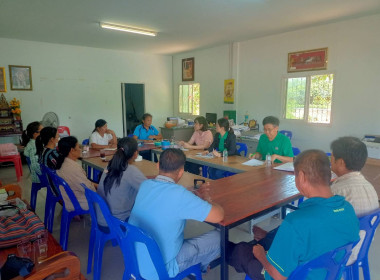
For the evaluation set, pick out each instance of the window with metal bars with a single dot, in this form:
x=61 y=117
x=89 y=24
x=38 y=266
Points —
x=189 y=97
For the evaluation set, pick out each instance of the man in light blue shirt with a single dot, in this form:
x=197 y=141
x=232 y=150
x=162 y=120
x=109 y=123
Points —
x=162 y=208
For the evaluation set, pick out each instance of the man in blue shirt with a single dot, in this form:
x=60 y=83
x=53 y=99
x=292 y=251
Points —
x=322 y=223
x=162 y=208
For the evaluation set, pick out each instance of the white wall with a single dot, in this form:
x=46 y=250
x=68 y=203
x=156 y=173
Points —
x=353 y=56
x=83 y=84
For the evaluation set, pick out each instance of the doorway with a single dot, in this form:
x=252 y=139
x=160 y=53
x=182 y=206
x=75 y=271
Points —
x=133 y=104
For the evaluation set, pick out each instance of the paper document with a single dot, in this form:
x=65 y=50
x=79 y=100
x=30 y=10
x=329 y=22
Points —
x=285 y=167
x=209 y=155
x=253 y=162
x=110 y=149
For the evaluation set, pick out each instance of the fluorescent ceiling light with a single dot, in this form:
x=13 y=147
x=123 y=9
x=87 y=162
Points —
x=127 y=29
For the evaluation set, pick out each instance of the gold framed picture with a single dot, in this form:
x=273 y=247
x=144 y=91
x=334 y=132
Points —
x=3 y=84
x=307 y=60
x=188 y=69
x=21 y=77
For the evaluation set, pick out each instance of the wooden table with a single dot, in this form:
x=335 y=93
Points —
x=248 y=195
x=371 y=172
x=148 y=168
x=234 y=163
x=96 y=152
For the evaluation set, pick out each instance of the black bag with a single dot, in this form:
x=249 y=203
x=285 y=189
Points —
x=15 y=266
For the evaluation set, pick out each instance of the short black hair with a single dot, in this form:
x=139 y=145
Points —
x=353 y=152
x=171 y=160
x=316 y=166
x=222 y=122
x=271 y=120
x=146 y=115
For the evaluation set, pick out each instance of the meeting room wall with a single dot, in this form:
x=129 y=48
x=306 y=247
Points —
x=83 y=84
x=353 y=57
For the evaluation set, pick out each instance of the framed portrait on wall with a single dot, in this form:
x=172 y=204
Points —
x=21 y=77
x=188 y=69
x=307 y=60
x=3 y=84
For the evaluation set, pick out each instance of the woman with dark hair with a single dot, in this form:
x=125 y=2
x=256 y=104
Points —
x=72 y=172
x=224 y=139
x=45 y=144
x=121 y=181
x=146 y=132
x=201 y=140
x=102 y=137
x=29 y=142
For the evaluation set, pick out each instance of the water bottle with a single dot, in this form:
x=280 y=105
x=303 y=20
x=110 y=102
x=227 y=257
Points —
x=268 y=161
x=225 y=155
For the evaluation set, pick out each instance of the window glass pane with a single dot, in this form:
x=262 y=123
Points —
x=180 y=98
x=189 y=98
x=320 y=98
x=185 y=99
x=196 y=99
x=295 y=98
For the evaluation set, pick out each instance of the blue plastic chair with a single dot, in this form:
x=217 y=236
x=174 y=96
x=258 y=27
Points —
x=366 y=224
x=296 y=151
x=242 y=147
x=99 y=234
x=332 y=262
x=66 y=215
x=128 y=236
x=35 y=188
x=52 y=196
x=86 y=142
x=287 y=133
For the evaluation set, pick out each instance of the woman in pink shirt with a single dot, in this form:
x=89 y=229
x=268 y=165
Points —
x=201 y=140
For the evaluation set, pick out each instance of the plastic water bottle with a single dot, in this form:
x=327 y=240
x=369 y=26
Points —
x=225 y=155
x=268 y=159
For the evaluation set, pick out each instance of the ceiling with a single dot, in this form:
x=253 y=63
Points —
x=182 y=25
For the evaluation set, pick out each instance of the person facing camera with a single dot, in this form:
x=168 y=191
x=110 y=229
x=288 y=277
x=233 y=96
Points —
x=146 y=132
x=273 y=143
x=72 y=172
x=121 y=180
x=102 y=137
x=224 y=139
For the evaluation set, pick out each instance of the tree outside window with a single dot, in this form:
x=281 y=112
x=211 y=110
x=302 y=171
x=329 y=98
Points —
x=189 y=97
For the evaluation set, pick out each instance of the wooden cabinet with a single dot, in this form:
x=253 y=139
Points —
x=179 y=133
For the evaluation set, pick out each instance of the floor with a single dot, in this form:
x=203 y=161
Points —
x=113 y=265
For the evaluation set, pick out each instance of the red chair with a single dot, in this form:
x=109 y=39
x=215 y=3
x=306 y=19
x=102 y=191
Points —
x=16 y=159
x=63 y=131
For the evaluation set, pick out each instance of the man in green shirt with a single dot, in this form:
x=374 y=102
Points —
x=274 y=143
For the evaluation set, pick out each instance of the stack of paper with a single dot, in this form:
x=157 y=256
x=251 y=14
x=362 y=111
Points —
x=209 y=155
x=285 y=167
x=253 y=162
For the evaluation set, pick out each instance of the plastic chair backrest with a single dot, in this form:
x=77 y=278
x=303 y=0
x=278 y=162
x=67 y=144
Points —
x=86 y=142
x=333 y=262
x=47 y=175
x=242 y=148
x=28 y=162
x=58 y=183
x=368 y=223
x=63 y=131
x=296 y=151
x=287 y=133
x=130 y=235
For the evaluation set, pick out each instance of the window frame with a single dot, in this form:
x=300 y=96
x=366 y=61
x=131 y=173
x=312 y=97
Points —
x=188 y=114
x=308 y=75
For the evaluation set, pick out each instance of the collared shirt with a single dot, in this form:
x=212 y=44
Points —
x=74 y=175
x=280 y=145
x=31 y=152
x=201 y=138
x=161 y=209
x=362 y=196
x=318 y=226
x=98 y=139
x=142 y=133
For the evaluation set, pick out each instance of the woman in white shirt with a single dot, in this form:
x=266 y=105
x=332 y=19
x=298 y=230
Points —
x=102 y=137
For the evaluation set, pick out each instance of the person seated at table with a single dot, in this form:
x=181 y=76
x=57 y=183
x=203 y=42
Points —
x=29 y=142
x=146 y=132
x=102 y=137
x=46 y=144
x=121 y=180
x=322 y=223
x=274 y=143
x=348 y=156
x=72 y=172
x=224 y=139
x=200 y=140
x=162 y=208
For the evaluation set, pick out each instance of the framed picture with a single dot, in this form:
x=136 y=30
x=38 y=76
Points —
x=229 y=86
x=21 y=77
x=3 y=85
x=307 y=60
x=188 y=69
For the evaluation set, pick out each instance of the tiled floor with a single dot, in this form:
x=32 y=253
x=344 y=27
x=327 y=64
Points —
x=113 y=265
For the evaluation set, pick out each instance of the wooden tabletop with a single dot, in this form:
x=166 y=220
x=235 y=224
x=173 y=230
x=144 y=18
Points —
x=252 y=193
x=234 y=163
x=96 y=152
x=148 y=168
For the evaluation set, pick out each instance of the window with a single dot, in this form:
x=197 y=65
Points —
x=309 y=98
x=189 y=99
